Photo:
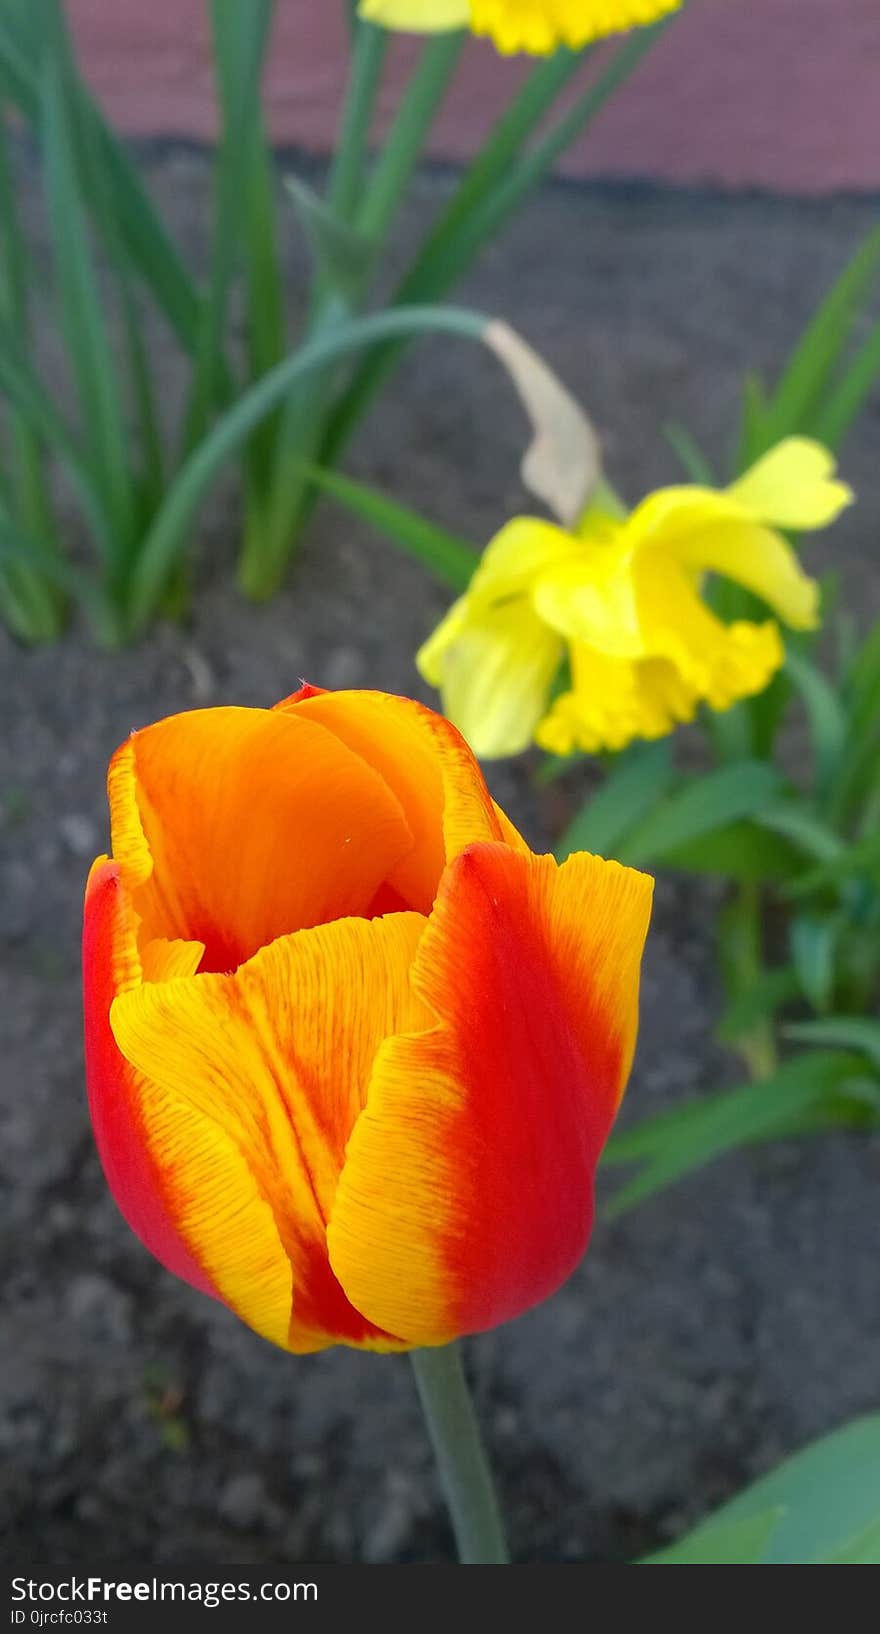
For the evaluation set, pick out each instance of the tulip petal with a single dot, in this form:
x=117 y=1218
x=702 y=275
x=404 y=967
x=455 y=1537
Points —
x=271 y=1065
x=212 y=812
x=467 y=1191
x=429 y=769
x=111 y=966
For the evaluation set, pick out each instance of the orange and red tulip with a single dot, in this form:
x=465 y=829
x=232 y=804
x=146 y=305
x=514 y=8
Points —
x=353 y=1050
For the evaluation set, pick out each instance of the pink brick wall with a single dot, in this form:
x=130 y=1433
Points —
x=782 y=94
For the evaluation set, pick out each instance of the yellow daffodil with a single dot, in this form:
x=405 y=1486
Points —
x=535 y=26
x=621 y=598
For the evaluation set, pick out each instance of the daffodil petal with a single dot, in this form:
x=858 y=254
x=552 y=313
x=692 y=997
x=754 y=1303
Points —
x=251 y=1085
x=431 y=654
x=495 y=677
x=467 y=1191
x=758 y=559
x=417 y=16
x=516 y=558
x=593 y=600
x=793 y=486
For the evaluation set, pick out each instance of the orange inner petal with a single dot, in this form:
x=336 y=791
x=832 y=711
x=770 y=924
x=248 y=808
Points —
x=236 y=826
x=430 y=769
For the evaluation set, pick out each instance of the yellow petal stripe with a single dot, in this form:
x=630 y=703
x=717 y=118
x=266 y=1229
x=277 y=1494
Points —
x=253 y=1083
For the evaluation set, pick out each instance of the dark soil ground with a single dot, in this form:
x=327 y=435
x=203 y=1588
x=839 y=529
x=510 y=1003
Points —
x=706 y=1335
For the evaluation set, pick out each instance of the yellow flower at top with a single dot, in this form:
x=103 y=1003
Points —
x=622 y=599
x=535 y=26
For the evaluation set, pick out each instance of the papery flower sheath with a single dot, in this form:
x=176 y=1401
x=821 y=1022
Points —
x=352 y=1049
x=622 y=600
x=534 y=26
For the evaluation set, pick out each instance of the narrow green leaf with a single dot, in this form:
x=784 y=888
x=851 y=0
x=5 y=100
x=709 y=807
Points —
x=450 y=559
x=402 y=149
x=862 y=1550
x=862 y=687
x=240 y=35
x=343 y=255
x=694 y=462
x=768 y=994
x=148 y=484
x=553 y=767
x=482 y=216
x=856 y=859
x=797 y=823
x=828 y=723
x=85 y=332
x=845 y=400
x=32 y=604
x=151 y=249
x=730 y=731
x=675 y=1142
x=508 y=138
x=814 y=942
x=33 y=503
x=753 y=439
x=351 y=149
x=861 y=700
x=799 y=396
x=740 y=851
x=32 y=401
x=841 y=1032
x=739 y=1542
x=638 y=780
x=168 y=537
x=32 y=552
x=826 y=1498
x=704 y=804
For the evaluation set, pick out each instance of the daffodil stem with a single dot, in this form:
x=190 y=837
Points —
x=461 y=1460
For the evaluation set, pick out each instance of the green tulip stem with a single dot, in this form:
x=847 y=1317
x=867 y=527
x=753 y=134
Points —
x=461 y=1460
